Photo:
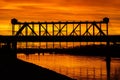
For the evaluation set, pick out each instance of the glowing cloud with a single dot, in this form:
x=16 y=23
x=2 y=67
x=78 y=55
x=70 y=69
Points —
x=56 y=10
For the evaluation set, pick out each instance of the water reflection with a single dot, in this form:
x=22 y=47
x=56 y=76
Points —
x=77 y=67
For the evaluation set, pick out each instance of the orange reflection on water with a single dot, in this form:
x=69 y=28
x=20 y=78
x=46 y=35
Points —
x=77 y=67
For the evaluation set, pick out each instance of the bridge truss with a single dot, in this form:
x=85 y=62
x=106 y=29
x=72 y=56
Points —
x=80 y=28
x=50 y=32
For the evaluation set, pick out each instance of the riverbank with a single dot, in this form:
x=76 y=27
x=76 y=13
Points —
x=27 y=71
x=12 y=68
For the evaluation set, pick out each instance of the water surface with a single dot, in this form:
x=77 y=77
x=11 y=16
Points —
x=74 y=66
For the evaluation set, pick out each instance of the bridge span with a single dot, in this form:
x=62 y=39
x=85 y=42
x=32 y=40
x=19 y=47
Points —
x=75 y=31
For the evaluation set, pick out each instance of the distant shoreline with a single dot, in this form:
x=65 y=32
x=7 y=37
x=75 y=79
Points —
x=95 y=50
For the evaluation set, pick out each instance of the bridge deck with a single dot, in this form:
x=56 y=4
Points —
x=111 y=38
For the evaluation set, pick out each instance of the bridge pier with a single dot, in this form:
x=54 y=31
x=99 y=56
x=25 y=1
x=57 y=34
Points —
x=108 y=62
x=7 y=55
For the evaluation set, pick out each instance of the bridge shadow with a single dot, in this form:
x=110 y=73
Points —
x=15 y=69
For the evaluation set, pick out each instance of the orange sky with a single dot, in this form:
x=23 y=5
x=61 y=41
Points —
x=59 y=10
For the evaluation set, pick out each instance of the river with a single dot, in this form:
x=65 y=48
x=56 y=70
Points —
x=75 y=66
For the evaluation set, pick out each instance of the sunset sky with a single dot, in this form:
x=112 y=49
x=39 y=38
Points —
x=59 y=10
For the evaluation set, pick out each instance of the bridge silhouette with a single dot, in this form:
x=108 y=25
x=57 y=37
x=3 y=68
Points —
x=35 y=33
x=32 y=34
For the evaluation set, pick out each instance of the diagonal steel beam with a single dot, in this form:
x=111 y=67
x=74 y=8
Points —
x=73 y=31
x=46 y=31
x=99 y=29
x=87 y=30
x=60 y=30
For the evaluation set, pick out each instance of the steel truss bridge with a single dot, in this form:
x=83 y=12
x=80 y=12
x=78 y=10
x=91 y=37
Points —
x=41 y=35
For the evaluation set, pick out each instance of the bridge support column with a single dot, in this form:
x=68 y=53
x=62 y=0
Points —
x=14 y=52
x=108 y=62
x=8 y=55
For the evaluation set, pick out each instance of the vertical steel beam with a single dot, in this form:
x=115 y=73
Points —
x=39 y=35
x=13 y=29
x=66 y=35
x=53 y=32
x=26 y=31
x=59 y=28
x=32 y=34
x=19 y=26
x=107 y=28
x=100 y=33
x=26 y=34
x=100 y=28
x=60 y=32
x=39 y=30
x=46 y=30
x=32 y=28
x=87 y=29
x=73 y=33
x=93 y=30
x=80 y=32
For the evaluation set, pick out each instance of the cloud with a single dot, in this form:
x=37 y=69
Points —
x=70 y=2
x=50 y=10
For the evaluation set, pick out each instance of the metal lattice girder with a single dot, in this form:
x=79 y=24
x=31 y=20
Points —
x=99 y=29
x=45 y=30
x=94 y=25
x=87 y=30
x=58 y=28
x=23 y=27
x=74 y=30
